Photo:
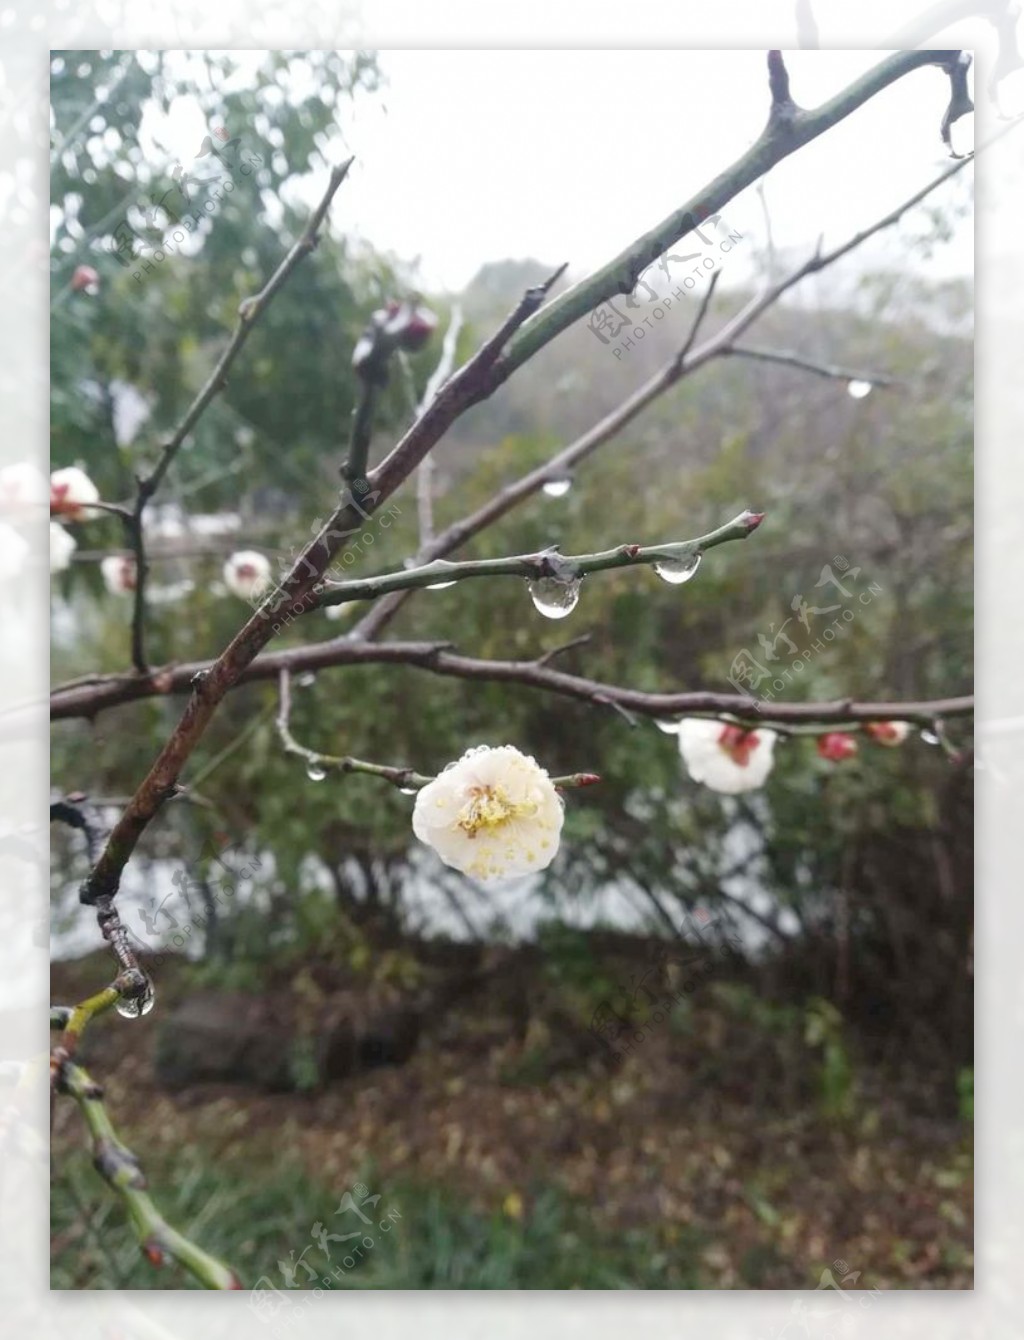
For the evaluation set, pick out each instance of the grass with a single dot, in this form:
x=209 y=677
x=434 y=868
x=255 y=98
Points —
x=262 y=1225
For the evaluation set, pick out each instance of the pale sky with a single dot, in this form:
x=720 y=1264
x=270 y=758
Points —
x=471 y=156
x=567 y=155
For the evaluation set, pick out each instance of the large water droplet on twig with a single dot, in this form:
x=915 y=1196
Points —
x=555 y=597
x=132 y=1007
x=675 y=571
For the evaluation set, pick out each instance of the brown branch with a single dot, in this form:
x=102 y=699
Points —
x=438 y=658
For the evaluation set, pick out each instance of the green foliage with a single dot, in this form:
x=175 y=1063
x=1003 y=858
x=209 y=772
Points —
x=823 y=1031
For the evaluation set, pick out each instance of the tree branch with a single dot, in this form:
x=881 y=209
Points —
x=776 y=142
x=406 y=779
x=438 y=658
x=828 y=370
x=681 y=365
x=425 y=473
x=546 y=563
x=120 y=1169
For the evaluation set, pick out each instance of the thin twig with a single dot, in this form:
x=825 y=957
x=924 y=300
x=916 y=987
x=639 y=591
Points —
x=828 y=370
x=250 y=311
x=406 y=779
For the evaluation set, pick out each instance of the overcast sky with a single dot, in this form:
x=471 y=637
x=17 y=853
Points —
x=471 y=156
x=567 y=155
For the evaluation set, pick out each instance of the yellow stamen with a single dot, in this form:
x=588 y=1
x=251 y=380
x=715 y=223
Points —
x=489 y=807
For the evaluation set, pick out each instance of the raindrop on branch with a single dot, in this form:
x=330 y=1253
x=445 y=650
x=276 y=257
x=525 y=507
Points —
x=440 y=586
x=407 y=790
x=315 y=772
x=666 y=726
x=859 y=389
x=555 y=597
x=132 y=1007
x=307 y=680
x=930 y=737
x=675 y=571
x=557 y=487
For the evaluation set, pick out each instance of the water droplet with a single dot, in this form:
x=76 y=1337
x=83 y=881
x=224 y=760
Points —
x=553 y=597
x=407 y=790
x=315 y=772
x=668 y=727
x=558 y=486
x=929 y=737
x=859 y=389
x=675 y=571
x=307 y=680
x=440 y=586
x=131 y=1007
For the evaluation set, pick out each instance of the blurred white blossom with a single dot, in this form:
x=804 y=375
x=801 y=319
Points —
x=247 y=574
x=889 y=733
x=118 y=573
x=724 y=757
x=62 y=546
x=71 y=490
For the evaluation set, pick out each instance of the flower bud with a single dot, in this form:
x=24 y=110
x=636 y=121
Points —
x=71 y=492
x=85 y=280
x=836 y=746
x=888 y=733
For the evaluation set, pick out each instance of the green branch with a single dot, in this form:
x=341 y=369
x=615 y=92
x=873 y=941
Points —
x=120 y=1169
x=547 y=563
x=789 y=128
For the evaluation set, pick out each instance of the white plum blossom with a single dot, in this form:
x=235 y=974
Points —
x=13 y=552
x=495 y=813
x=22 y=487
x=727 y=758
x=118 y=573
x=71 y=492
x=62 y=546
x=247 y=574
x=889 y=733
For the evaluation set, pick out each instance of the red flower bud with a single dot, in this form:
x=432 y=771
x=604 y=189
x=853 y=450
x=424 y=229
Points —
x=836 y=746
x=85 y=280
x=889 y=733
